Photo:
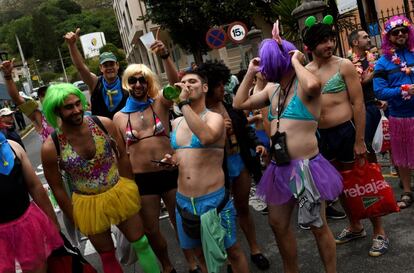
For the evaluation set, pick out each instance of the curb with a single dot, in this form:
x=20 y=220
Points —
x=26 y=131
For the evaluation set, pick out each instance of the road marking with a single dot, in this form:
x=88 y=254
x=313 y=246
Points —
x=27 y=133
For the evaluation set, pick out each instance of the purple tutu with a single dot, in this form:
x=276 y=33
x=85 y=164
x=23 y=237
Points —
x=402 y=141
x=274 y=185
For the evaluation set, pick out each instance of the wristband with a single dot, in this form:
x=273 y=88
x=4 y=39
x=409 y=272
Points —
x=184 y=102
x=404 y=91
x=165 y=55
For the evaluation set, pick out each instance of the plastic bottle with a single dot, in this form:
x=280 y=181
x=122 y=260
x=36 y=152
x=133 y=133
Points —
x=171 y=92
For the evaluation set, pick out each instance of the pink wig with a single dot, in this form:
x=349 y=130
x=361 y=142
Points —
x=393 y=22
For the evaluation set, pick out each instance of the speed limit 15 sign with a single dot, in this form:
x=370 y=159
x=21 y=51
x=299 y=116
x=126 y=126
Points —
x=237 y=32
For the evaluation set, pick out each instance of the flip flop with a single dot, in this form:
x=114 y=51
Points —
x=406 y=200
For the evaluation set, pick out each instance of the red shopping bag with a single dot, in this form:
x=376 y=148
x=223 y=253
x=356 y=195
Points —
x=386 y=143
x=381 y=141
x=366 y=192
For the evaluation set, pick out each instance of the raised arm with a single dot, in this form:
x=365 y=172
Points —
x=54 y=177
x=162 y=51
x=210 y=130
x=28 y=108
x=89 y=78
x=124 y=165
x=242 y=100
x=34 y=186
x=309 y=83
x=357 y=100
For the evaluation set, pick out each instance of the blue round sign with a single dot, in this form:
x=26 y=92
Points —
x=216 y=37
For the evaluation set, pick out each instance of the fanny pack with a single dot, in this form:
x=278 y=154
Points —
x=191 y=223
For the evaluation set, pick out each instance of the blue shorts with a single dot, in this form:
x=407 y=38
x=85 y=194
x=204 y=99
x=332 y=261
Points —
x=200 y=205
x=337 y=143
x=235 y=166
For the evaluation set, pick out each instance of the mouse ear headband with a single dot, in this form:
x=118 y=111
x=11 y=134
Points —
x=311 y=20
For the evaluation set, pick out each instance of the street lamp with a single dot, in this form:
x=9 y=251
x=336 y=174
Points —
x=39 y=80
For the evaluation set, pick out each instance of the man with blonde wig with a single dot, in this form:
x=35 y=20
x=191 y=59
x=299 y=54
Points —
x=91 y=153
x=144 y=122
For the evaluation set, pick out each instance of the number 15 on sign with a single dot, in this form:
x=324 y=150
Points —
x=237 y=32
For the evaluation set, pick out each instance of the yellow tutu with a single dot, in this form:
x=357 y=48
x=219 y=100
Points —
x=94 y=214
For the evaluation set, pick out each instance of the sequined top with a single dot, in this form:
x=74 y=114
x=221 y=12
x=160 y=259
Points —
x=93 y=176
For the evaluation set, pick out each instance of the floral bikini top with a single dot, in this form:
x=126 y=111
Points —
x=46 y=129
x=93 y=176
x=159 y=130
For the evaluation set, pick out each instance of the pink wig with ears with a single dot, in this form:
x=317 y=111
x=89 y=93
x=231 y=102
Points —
x=393 y=22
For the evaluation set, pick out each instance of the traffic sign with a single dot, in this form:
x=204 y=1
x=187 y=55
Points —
x=237 y=32
x=216 y=37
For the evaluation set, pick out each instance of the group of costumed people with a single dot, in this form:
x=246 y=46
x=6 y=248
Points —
x=102 y=174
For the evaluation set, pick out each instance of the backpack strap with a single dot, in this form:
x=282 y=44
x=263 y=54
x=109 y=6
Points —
x=56 y=142
x=99 y=123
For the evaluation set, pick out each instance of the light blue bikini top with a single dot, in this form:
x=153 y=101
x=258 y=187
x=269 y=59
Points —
x=294 y=110
x=195 y=142
x=335 y=84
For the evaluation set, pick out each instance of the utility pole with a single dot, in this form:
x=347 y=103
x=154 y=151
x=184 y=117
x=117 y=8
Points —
x=63 y=65
x=25 y=67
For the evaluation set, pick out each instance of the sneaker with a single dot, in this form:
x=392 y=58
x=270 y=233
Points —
x=347 y=235
x=379 y=246
x=333 y=213
x=265 y=211
x=260 y=261
x=196 y=270
x=393 y=171
x=304 y=227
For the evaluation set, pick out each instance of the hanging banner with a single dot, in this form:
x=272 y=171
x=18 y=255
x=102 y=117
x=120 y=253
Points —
x=91 y=43
x=346 y=5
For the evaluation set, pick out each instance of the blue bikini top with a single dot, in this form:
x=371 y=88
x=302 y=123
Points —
x=195 y=142
x=294 y=110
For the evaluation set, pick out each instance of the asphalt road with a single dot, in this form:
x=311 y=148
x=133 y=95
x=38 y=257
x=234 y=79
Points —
x=351 y=257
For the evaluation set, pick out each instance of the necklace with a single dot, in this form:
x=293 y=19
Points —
x=357 y=61
x=397 y=60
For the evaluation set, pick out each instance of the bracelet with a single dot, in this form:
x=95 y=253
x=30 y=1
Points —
x=165 y=55
x=184 y=102
x=8 y=77
x=404 y=91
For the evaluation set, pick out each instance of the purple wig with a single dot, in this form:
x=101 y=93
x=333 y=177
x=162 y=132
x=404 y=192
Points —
x=275 y=60
x=393 y=22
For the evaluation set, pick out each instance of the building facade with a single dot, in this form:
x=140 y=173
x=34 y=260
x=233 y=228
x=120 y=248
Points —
x=131 y=29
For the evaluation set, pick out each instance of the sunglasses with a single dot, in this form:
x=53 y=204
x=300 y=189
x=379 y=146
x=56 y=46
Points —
x=396 y=32
x=133 y=80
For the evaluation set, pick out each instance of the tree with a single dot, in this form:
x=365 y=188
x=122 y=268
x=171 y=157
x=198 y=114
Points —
x=44 y=37
x=189 y=21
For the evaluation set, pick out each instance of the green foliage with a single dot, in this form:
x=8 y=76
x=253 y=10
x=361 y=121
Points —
x=48 y=77
x=22 y=28
x=69 y=6
x=45 y=40
x=289 y=23
x=189 y=21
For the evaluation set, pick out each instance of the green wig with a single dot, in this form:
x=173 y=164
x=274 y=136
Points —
x=55 y=97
